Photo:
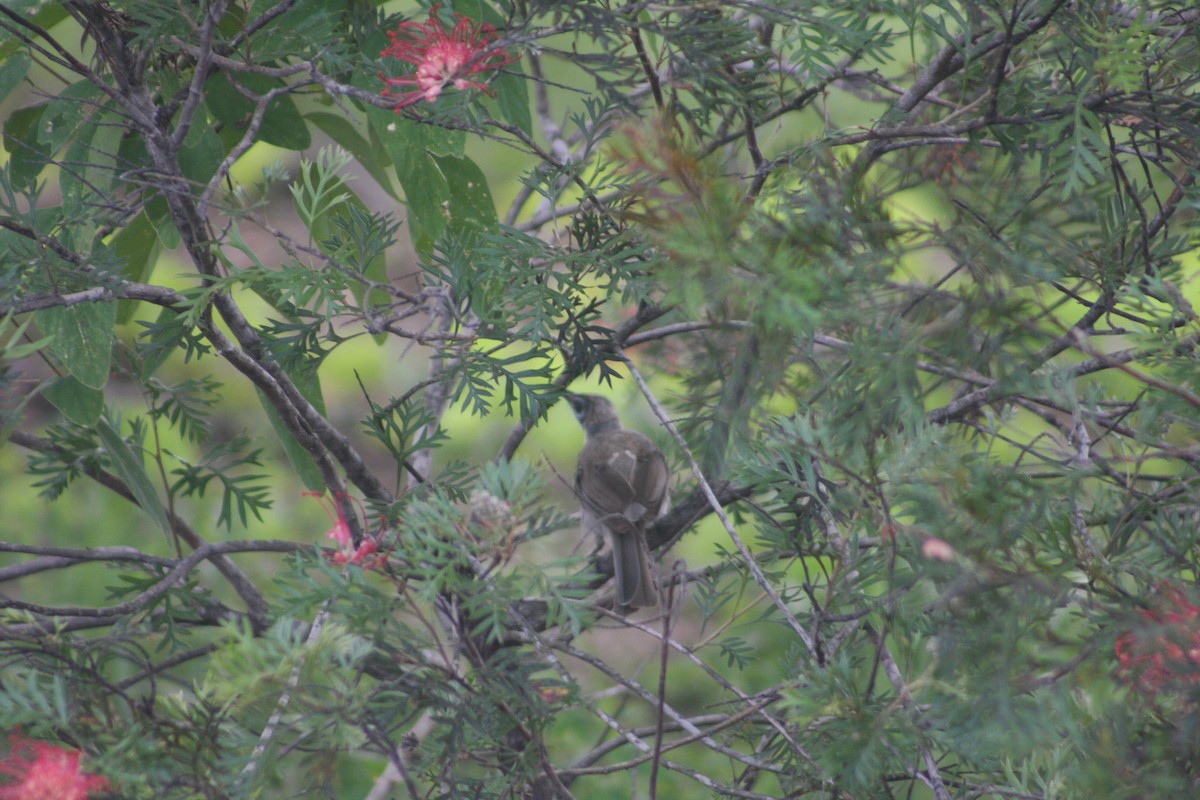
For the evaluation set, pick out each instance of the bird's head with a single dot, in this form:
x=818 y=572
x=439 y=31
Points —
x=595 y=413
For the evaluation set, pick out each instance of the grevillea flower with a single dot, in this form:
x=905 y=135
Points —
x=366 y=554
x=1164 y=654
x=937 y=549
x=40 y=771
x=442 y=57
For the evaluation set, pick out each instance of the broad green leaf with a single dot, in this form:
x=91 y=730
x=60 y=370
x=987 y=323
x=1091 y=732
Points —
x=282 y=124
x=81 y=404
x=27 y=155
x=12 y=72
x=130 y=469
x=137 y=245
x=67 y=114
x=512 y=97
x=408 y=145
x=133 y=154
x=308 y=381
x=301 y=460
x=159 y=356
x=13 y=346
x=201 y=153
x=14 y=415
x=443 y=142
x=82 y=339
x=471 y=208
x=101 y=170
x=46 y=18
x=94 y=152
x=339 y=129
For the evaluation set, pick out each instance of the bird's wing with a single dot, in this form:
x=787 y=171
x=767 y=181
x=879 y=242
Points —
x=622 y=478
x=602 y=478
x=651 y=479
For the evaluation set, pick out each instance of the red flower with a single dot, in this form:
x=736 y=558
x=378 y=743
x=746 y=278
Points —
x=42 y=771
x=364 y=555
x=1166 y=653
x=442 y=57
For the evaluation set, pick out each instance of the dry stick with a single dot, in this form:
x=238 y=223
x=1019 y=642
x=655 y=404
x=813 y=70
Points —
x=441 y=375
x=256 y=604
x=715 y=505
x=648 y=697
x=933 y=778
x=285 y=698
x=717 y=788
x=766 y=697
x=179 y=568
x=584 y=765
x=396 y=770
x=952 y=58
x=323 y=442
x=1115 y=362
x=665 y=652
x=715 y=723
x=158 y=295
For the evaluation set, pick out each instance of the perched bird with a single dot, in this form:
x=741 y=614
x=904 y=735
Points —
x=621 y=481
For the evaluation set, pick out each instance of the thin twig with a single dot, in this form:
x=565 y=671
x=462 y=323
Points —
x=285 y=698
x=715 y=505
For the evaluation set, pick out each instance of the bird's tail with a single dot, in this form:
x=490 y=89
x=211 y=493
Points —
x=636 y=584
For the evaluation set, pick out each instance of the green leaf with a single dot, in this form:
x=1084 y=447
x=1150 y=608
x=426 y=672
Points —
x=282 y=124
x=81 y=404
x=320 y=191
x=158 y=356
x=164 y=225
x=132 y=471
x=13 y=347
x=68 y=113
x=340 y=222
x=137 y=245
x=82 y=339
x=471 y=209
x=27 y=155
x=512 y=97
x=408 y=145
x=89 y=183
x=443 y=142
x=308 y=381
x=45 y=19
x=339 y=129
x=13 y=416
x=302 y=461
x=12 y=72
x=201 y=153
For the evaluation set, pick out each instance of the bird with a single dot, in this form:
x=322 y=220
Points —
x=621 y=482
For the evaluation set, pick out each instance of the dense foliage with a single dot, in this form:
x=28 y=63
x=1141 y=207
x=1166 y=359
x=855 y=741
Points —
x=905 y=291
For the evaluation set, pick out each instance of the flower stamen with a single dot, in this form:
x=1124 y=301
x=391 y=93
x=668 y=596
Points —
x=443 y=58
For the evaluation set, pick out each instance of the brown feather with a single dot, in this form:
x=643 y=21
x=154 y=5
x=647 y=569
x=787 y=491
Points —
x=621 y=480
